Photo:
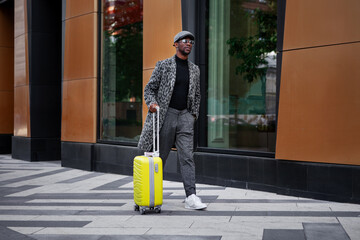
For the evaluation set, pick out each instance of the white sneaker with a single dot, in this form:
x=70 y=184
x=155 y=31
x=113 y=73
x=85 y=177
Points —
x=194 y=202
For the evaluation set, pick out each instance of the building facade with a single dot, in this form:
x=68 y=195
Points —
x=279 y=81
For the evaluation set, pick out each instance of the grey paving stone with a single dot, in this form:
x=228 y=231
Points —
x=38 y=212
x=100 y=204
x=80 y=178
x=65 y=237
x=8 y=234
x=283 y=234
x=264 y=213
x=180 y=188
x=263 y=201
x=14 y=180
x=10 y=190
x=44 y=223
x=86 y=213
x=160 y=237
x=123 y=237
x=21 y=169
x=65 y=212
x=325 y=231
x=90 y=195
x=115 y=184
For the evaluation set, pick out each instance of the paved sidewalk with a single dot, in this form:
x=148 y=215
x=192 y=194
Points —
x=42 y=200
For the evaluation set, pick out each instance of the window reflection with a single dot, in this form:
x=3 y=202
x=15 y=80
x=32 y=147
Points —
x=122 y=70
x=242 y=74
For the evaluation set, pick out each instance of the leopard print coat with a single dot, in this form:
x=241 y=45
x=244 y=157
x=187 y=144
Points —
x=159 y=90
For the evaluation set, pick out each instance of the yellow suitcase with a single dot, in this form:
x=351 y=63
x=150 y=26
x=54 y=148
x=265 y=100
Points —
x=148 y=178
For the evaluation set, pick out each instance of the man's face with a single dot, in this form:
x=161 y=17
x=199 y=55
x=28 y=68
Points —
x=184 y=47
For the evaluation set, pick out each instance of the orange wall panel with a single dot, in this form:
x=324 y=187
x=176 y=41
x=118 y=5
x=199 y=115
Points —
x=7 y=112
x=6 y=69
x=21 y=111
x=79 y=110
x=80 y=7
x=162 y=21
x=319 y=109
x=321 y=22
x=80 y=59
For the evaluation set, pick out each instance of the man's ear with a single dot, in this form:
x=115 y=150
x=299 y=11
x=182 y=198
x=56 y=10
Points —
x=176 y=45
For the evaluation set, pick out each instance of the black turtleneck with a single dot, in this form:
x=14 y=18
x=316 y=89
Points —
x=181 y=88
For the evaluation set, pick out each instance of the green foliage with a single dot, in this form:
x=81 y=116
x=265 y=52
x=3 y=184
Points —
x=127 y=50
x=252 y=50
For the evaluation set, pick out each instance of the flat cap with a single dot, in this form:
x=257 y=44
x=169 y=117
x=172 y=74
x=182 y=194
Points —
x=182 y=35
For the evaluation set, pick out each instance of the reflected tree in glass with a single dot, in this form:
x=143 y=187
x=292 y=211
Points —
x=122 y=70
x=242 y=74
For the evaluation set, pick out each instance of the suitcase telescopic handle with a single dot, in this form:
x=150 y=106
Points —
x=156 y=149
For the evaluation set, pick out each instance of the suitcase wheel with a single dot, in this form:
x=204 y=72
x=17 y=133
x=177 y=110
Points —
x=142 y=211
x=136 y=208
x=158 y=210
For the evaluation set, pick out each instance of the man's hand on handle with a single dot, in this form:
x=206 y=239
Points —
x=153 y=107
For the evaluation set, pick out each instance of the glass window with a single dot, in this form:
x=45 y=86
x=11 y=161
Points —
x=242 y=74
x=121 y=83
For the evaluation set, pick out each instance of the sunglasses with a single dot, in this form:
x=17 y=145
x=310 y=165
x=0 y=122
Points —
x=192 y=42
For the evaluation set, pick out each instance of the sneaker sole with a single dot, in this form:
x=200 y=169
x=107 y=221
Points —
x=192 y=208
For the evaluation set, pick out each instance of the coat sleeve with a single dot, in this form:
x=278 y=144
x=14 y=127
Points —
x=197 y=94
x=151 y=89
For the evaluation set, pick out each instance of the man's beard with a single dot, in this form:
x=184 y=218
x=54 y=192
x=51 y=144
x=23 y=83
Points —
x=183 y=52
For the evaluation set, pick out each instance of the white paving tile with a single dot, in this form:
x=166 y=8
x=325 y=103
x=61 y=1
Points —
x=143 y=221
x=234 y=226
x=250 y=233
x=21 y=173
x=17 y=217
x=93 y=231
x=344 y=207
x=92 y=208
x=26 y=230
x=66 y=218
x=222 y=206
x=267 y=207
x=351 y=226
x=50 y=179
x=270 y=219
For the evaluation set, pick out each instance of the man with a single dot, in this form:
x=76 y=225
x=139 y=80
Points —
x=174 y=86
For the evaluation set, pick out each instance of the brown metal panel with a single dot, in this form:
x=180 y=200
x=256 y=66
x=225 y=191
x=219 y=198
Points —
x=80 y=7
x=79 y=110
x=21 y=111
x=6 y=27
x=80 y=59
x=319 y=109
x=322 y=22
x=162 y=20
x=6 y=112
x=6 y=69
